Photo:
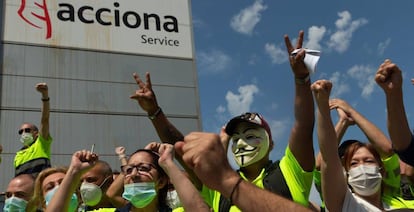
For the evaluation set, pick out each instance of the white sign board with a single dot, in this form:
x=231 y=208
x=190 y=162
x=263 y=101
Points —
x=147 y=27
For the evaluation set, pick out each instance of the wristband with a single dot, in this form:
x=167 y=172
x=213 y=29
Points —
x=45 y=99
x=302 y=80
x=234 y=189
x=153 y=116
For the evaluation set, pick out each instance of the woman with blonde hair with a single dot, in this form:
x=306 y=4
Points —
x=46 y=184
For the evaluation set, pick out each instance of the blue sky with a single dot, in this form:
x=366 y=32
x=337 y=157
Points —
x=243 y=66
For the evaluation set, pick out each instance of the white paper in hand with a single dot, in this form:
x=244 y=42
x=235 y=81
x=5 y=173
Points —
x=311 y=58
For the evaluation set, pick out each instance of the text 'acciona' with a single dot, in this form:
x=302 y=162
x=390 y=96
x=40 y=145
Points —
x=130 y=19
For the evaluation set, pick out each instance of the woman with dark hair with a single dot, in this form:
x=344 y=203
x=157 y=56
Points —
x=146 y=176
x=145 y=183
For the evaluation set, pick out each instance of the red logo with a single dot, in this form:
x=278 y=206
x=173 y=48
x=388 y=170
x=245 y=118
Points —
x=41 y=21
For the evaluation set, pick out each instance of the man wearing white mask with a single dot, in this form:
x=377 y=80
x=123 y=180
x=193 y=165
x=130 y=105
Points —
x=34 y=156
x=95 y=182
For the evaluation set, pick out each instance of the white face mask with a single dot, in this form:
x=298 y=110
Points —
x=365 y=180
x=172 y=199
x=250 y=144
x=26 y=138
x=91 y=194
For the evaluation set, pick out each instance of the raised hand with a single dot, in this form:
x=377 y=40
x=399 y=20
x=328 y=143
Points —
x=205 y=155
x=120 y=150
x=343 y=109
x=42 y=88
x=321 y=90
x=145 y=95
x=83 y=160
x=296 y=61
x=389 y=76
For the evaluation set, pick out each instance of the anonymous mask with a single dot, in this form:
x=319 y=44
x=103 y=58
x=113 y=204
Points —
x=250 y=144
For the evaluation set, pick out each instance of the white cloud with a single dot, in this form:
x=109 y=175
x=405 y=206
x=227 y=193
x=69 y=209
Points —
x=245 y=21
x=221 y=109
x=345 y=27
x=315 y=35
x=278 y=128
x=383 y=45
x=213 y=61
x=241 y=102
x=339 y=84
x=365 y=78
x=276 y=54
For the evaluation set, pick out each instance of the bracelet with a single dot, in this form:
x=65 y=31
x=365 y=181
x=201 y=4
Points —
x=45 y=99
x=153 y=116
x=121 y=156
x=302 y=80
x=234 y=189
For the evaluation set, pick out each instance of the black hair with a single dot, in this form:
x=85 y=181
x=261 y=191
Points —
x=162 y=193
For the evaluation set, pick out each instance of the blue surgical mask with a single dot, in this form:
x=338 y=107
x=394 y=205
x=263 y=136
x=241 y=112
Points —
x=140 y=194
x=73 y=205
x=15 y=204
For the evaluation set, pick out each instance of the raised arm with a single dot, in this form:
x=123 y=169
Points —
x=114 y=192
x=145 y=96
x=344 y=121
x=81 y=162
x=166 y=131
x=301 y=137
x=333 y=182
x=389 y=78
x=44 y=121
x=375 y=136
x=188 y=194
x=204 y=153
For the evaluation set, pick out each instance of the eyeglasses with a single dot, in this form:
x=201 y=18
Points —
x=26 y=130
x=143 y=167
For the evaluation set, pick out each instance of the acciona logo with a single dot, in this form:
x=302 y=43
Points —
x=36 y=14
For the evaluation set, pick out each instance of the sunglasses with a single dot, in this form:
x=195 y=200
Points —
x=143 y=167
x=26 y=130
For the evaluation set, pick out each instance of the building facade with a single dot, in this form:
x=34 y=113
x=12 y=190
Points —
x=86 y=51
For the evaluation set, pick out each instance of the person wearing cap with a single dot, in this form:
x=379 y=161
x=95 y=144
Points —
x=34 y=156
x=365 y=171
x=293 y=173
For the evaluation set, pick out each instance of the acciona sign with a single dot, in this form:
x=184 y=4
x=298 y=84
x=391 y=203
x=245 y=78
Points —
x=147 y=27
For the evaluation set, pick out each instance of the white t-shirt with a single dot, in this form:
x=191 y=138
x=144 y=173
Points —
x=356 y=204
